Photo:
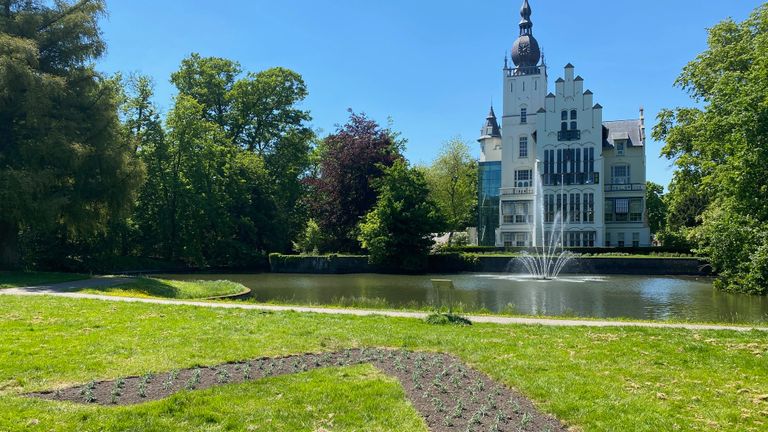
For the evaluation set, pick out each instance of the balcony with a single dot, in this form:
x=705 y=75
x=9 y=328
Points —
x=570 y=179
x=518 y=191
x=569 y=135
x=628 y=187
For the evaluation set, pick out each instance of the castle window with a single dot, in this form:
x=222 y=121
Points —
x=573 y=114
x=574 y=126
x=523 y=147
x=523 y=115
x=564 y=126
x=620 y=174
x=564 y=115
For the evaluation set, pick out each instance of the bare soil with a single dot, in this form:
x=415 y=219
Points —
x=448 y=394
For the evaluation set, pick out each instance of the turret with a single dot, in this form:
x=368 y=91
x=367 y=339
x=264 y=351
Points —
x=490 y=139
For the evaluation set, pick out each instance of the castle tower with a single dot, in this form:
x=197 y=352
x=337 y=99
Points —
x=525 y=90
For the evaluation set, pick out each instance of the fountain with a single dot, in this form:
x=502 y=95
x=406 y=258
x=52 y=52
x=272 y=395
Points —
x=549 y=257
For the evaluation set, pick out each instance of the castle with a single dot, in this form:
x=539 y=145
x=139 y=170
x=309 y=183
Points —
x=592 y=171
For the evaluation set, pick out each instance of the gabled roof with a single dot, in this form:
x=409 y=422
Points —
x=559 y=80
x=578 y=78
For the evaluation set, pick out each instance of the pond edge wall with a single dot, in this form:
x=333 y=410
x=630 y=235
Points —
x=458 y=263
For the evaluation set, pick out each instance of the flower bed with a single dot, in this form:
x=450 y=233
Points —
x=449 y=395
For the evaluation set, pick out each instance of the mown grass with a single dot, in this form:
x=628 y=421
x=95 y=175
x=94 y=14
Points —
x=608 y=379
x=24 y=279
x=172 y=289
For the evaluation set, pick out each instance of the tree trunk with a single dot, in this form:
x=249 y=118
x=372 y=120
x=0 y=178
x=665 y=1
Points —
x=9 y=245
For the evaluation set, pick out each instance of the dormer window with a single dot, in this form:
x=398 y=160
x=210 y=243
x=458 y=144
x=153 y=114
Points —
x=620 y=147
x=524 y=115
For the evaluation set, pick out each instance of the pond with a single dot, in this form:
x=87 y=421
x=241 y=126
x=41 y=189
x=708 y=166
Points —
x=635 y=297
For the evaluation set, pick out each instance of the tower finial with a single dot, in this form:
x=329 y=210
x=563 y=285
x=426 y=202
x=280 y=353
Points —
x=526 y=25
x=526 y=53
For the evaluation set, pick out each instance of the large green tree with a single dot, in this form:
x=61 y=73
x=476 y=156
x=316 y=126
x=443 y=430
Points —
x=720 y=149
x=258 y=113
x=398 y=231
x=65 y=165
x=452 y=179
x=657 y=207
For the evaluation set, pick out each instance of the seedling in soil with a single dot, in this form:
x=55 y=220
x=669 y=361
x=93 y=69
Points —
x=87 y=392
x=247 y=371
x=142 y=391
x=438 y=403
x=222 y=375
x=526 y=420
x=194 y=381
x=458 y=410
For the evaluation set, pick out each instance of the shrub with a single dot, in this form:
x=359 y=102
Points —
x=447 y=319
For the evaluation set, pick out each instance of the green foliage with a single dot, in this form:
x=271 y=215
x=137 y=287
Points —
x=656 y=206
x=447 y=319
x=736 y=247
x=721 y=151
x=225 y=172
x=398 y=231
x=452 y=180
x=66 y=168
x=311 y=240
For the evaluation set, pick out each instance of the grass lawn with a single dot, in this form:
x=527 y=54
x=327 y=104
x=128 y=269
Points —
x=23 y=279
x=162 y=288
x=612 y=379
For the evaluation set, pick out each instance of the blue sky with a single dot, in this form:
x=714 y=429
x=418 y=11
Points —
x=432 y=66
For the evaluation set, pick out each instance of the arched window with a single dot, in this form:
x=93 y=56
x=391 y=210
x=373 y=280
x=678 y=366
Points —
x=574 y=126
x=564 y=126
x=564 y=115
x=523 y=115
x=573 y=114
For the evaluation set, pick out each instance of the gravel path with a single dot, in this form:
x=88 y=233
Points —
x=69 y=290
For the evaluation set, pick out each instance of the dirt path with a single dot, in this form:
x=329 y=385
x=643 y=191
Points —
x=69 y=289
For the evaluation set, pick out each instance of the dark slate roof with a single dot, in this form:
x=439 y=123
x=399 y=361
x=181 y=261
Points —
x=588 y=92
x=598 y=106
x=578 y=78
x=622 y=129
x=559 y=80
x=491 y=127
x=541 y=110
x=569 y=66
x=551 y=95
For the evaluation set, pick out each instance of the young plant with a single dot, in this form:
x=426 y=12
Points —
x=247 y=371
x=222 y=375
x=87 y=392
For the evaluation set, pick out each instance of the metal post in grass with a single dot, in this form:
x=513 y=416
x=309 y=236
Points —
x=446 y=286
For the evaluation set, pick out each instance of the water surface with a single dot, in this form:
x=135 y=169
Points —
x=647 y=298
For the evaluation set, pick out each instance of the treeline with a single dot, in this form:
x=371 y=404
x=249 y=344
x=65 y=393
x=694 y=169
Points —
x=93 y=177
x=718 y=200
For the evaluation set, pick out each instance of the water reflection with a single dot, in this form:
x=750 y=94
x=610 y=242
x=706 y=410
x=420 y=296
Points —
x=657 y=298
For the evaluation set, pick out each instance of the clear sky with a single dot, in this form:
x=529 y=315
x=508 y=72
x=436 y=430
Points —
x=432 y=66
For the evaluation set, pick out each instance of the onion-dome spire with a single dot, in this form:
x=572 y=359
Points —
x=526 y=52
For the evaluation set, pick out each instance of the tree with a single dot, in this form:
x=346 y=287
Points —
x=452 y=182
x=721 y=151
x=398 y=231
x=257 y=113
x=65 y=167
x=351 y=160
x=657 y=207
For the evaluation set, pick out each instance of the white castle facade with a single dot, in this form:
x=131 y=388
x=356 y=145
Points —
x=593 y=171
